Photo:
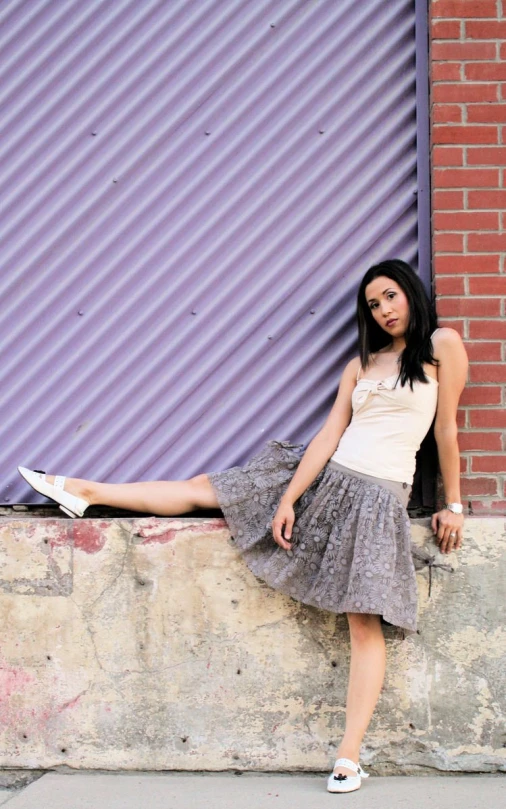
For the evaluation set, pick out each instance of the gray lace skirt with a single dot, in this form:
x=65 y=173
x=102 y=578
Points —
x=351 y=541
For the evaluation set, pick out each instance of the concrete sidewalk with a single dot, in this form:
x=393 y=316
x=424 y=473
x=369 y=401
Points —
x=253 y=791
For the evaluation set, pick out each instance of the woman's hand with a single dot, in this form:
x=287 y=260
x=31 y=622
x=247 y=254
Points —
x=283 y=518
x=448 y=529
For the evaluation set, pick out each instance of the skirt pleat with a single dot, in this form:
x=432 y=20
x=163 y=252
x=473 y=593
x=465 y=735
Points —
x=351 y=541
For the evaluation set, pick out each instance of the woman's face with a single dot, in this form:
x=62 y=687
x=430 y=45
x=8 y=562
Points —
x=388 y=304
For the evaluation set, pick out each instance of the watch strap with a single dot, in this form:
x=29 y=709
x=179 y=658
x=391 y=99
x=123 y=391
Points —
x=457 y=508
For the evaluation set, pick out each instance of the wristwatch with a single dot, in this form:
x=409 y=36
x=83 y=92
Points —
x=457 y=508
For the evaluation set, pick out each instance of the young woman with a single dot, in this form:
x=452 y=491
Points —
x=328 y=525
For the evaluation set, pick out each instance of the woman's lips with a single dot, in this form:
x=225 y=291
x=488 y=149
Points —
x=391 y=322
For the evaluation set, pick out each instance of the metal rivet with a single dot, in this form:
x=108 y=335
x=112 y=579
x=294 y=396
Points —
x=208 y=132
x=312 y=311
x=321 y=131
x=94 y=132
x=80 y=312
x=194 y=311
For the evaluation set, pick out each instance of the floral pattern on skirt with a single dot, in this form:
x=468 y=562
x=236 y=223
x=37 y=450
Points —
x=351 y=541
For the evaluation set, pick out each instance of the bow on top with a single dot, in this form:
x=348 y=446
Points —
x=368 y=387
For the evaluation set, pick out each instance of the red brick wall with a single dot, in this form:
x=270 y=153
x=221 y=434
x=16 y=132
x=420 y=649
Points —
x=468 y=151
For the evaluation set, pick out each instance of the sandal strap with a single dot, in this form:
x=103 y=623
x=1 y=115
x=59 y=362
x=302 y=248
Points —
x=347 y=762
x=59 y=482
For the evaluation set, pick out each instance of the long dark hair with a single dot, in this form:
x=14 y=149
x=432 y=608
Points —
x=422 y=321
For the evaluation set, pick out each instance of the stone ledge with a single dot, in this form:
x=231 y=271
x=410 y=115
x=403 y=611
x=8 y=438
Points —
x=155 y=648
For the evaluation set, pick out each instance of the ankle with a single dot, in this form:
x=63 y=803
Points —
x=348 y=751
x=82 y=488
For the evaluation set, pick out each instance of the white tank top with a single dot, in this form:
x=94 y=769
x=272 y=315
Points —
x=388 y=424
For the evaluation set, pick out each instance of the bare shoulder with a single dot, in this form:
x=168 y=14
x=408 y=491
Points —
x=452 y=372
x=449 y=349
x=352 y=368
x=445 y=337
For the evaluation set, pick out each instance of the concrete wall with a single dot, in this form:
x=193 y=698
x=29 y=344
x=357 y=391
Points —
x=147 y=644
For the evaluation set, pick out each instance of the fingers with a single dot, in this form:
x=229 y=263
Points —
x=448 y=541
x=277 y=532
x=448 y=534
x=288 y=527
x=282 y=524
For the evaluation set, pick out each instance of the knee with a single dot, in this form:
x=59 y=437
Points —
x=363 y=626
x=199 y=481
x=202 y=493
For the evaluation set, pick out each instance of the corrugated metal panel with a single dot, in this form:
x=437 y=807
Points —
x=191 y=191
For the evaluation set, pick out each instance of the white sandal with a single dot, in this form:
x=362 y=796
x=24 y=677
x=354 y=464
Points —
x=346 y=783
x=69 y=503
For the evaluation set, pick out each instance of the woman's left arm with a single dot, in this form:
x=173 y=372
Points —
x=452 y=374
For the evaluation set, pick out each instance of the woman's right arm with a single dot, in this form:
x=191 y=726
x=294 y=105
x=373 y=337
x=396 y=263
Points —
x=318 y=452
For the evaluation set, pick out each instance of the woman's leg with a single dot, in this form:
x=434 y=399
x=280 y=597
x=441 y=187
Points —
x=163 y=498
x=367 y=672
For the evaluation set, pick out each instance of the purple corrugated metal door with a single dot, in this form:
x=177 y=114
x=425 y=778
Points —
x=190 y=193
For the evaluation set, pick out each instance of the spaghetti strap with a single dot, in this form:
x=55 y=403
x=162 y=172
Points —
x=358 y=372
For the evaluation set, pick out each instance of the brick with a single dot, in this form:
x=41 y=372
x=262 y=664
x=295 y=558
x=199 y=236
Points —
x=503 y=51
x=445 y=29
x=488 y=463
x=448 y=200
x=469 y=441
x=481 y=395
x=469 y=307
x=470 y=486
x=485 y=29
x=488 y=507
x=458 y=325
x=486 y=113
x=446 y=71
x=461 y=418
x=464 y=8
x=486 y=242
x=466 y=264
x=449 y=286
x=487 y=285
x=466 y=178
x=485 y=71
x=486 y=199
x=463 y=51
x=487 y=372
x=446 y=113
x=486 y=155
x=488 y=418
x=447 y=156
x=462 y=92
x=484 y=351
x=449 y=242
x=464 y=134
x=465 y=221
x=487 y=329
